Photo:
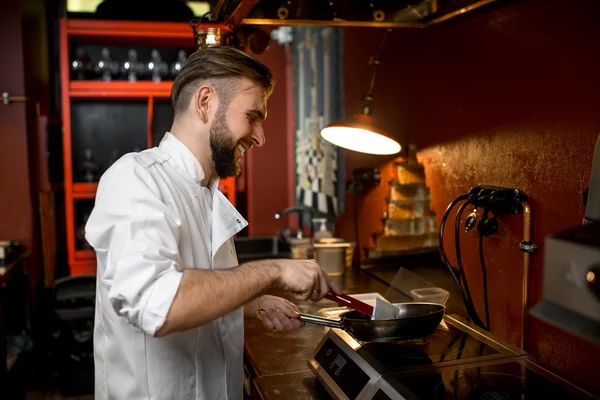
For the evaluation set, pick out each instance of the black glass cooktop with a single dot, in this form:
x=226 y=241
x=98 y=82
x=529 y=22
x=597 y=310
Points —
x=443 y=345
x=505 y=381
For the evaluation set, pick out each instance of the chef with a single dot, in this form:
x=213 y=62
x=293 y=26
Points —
x=171 y=297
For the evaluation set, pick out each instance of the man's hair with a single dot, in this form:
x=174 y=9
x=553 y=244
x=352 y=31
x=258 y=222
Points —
x=221 y=66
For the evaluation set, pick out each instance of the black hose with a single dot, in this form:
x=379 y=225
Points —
x=485 y=286
x=461 y=268
x=469 y=307
x=486 y=211
x=442 y=225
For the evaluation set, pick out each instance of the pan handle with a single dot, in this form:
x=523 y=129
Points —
x=312 y=319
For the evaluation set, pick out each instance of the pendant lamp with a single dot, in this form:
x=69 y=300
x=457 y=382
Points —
x=361 y=134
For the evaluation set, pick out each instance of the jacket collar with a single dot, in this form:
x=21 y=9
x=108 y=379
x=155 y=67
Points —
x=185 y=160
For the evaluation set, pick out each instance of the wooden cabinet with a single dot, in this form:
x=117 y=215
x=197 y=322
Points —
x=102 y=120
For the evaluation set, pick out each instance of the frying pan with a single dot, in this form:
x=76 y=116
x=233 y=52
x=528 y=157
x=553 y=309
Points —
x=417 y=320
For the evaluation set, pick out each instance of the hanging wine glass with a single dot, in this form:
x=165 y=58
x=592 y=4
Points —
x=156 y=67
x=81 y=65
x=89 y=167
x=179 y=63
x=132 y=67
x=106 y=67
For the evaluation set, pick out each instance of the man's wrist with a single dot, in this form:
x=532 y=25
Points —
x=275 y=274
x=270 y=270
x=251 y=308
x=267 y=271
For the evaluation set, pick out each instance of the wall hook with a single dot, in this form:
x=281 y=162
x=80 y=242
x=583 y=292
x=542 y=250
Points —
x=7 y=98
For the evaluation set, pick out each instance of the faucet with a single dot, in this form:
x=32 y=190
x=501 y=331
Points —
x=299 y=210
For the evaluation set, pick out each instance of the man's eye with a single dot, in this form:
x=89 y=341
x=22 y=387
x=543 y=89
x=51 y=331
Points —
x=251 y=118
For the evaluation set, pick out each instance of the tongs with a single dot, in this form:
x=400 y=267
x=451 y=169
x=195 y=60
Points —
x=351 y=302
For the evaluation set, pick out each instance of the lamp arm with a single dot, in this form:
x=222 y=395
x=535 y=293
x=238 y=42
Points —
x=369 y=97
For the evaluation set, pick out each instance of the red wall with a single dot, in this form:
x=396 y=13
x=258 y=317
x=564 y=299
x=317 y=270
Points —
x=507 y=95
x=269 y=166
x=16 y=221
x=23 y=72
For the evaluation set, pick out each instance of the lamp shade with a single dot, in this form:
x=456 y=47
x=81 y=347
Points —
x=361 y=136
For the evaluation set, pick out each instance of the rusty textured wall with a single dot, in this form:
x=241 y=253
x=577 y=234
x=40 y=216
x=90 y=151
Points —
x=507 y=95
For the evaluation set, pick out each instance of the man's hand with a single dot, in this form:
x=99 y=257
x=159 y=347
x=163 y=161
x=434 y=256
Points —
x=277 y=314
x=305 y=279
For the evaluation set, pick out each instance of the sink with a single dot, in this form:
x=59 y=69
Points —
x=261 y=247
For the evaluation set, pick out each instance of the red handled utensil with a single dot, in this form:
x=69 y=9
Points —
x=351 y=302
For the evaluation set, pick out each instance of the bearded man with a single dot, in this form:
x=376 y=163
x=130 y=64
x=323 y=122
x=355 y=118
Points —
x=171 y=297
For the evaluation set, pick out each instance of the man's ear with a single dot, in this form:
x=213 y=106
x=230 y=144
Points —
x=204 y=98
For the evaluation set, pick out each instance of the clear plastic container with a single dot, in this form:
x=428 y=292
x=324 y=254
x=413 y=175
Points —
x=409 y=287
x=430 y=295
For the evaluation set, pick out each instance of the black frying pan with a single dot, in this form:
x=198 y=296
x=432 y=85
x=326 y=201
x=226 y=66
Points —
x=417 y=320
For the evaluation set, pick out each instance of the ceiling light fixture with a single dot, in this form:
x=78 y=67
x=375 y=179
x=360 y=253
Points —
x=361 y=134
x=208 y=34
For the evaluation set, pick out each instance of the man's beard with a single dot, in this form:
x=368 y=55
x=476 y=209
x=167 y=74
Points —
x=223 y=147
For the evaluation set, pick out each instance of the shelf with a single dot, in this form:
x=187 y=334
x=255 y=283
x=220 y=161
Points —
x=82 y=268
x=85 y=190
x=146 y=99
x=85 y=254
x=120 y=89
x=129 y=29
x=129 y=33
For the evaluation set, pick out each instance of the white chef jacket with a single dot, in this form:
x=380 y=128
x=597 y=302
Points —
x=154 y=217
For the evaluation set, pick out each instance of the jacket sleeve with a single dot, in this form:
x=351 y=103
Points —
x=136 y=234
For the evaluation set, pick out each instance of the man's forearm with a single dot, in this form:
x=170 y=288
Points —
x=204 y=296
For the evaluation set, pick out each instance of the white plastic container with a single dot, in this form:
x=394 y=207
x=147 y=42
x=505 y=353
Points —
x=330 y=253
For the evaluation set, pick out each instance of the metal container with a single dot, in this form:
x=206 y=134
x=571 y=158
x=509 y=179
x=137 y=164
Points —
x=330 y=253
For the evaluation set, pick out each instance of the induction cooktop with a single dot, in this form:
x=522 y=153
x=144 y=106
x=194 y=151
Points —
x=501 y=379
x=458 y=361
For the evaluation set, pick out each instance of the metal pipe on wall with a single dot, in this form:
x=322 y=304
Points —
x=526 y=270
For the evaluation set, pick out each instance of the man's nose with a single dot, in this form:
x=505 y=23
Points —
x=258 y=136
